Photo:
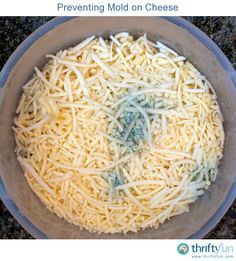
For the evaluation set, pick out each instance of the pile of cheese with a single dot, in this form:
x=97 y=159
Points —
x=118 y=135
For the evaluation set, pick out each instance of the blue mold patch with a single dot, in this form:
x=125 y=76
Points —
x=136 y=133
x=134 y=125
x=113 y=179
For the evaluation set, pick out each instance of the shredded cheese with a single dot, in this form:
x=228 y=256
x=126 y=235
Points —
x=117 y=135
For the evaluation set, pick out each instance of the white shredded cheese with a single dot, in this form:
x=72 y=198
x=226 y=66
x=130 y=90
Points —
x=116 y=135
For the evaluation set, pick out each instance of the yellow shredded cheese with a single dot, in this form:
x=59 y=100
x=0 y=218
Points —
x=117 y=135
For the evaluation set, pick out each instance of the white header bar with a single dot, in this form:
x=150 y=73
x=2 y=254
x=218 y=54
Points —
x=117 y=250
x=117 y=8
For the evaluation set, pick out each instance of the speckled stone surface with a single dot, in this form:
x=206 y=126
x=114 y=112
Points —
x=13 y=30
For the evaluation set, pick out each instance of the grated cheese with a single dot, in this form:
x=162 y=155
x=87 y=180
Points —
x=117 y=135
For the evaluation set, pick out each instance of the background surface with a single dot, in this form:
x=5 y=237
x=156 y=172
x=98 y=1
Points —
x=13 y=30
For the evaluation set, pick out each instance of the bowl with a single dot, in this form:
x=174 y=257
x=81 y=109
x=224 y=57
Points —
x=63 y=32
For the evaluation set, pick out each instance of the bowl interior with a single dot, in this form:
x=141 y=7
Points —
x=72 y=32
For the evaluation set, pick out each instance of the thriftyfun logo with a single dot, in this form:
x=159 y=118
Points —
x=211 y=248
x=183 y=248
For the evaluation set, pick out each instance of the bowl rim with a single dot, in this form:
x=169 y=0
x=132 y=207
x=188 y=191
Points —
x=50 y=25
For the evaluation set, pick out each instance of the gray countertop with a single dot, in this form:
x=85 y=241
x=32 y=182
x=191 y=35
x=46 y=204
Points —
x=13 y=30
